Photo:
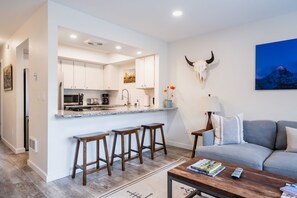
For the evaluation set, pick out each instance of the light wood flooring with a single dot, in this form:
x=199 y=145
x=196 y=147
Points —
x=17 y=179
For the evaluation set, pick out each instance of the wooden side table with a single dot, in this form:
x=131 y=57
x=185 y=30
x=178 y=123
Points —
x=196 y=133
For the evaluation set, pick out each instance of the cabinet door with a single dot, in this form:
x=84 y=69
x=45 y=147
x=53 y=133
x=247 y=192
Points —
x=79 y=74
x=94 y=77
x=149 y=72
x=111 y=77
x=67 y=69
x=139 y=70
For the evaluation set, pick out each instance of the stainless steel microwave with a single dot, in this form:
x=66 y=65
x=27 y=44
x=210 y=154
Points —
x=73 y=99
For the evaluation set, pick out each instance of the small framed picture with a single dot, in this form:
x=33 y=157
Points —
x=129 y=76
x=7 y=77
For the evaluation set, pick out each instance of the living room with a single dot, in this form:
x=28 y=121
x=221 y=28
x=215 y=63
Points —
x=231 y=77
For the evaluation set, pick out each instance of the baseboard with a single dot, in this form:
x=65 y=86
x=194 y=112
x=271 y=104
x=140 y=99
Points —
x=180 y=145
x=15 y=150
x=40 y=172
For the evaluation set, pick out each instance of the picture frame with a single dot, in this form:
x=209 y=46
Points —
x=7 y=78
x=276 y=65
x=129 y=76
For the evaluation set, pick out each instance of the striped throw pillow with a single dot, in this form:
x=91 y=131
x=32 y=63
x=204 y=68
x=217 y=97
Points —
x=228 y=130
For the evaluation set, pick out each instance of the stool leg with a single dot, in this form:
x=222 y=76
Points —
x=98 y=154
x=139 y=148
x=129 y=154
x=113 y=148
x=142 y=140
x=106 y=156
x=75 y=159
x=152 y=144
x=85 y=163
x=123 y=151
x=163 y=139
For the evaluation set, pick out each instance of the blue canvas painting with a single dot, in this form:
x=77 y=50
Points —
x=276 y=65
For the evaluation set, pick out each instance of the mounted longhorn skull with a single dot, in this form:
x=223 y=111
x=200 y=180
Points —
x=201 y=66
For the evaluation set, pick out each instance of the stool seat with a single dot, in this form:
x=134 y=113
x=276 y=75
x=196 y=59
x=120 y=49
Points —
x=152 y=127
x=126 y=129
x=85 y=138
x=91 y=136
x=122 y=132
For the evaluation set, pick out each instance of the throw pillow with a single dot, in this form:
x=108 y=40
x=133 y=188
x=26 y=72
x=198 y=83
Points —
x=228 y=130
x=291 y=139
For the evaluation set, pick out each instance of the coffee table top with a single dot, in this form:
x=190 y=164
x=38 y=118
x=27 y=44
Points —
x=253 y=183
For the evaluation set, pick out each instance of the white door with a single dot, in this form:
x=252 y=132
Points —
x=79 y=74
x=139 y=70
x=94 y=77
x=67 y=68
x=149 y=72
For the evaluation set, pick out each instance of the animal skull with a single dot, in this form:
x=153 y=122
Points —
x=201 y=66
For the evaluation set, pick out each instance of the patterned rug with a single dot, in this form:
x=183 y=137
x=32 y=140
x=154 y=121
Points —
x=151 y=185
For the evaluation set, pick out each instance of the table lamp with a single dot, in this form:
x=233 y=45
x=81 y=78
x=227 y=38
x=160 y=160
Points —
x=209 y=104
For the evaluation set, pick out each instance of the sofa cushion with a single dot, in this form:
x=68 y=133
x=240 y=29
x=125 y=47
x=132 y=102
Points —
x=281 y=139
x=260 y=132
x=291 y=139
x=251 y=155
x=228 y=130
x=281 y=162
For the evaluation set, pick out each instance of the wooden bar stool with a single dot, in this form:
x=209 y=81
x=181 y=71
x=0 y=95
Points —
x=122 y=132
x=85 y=139
x=152 y=129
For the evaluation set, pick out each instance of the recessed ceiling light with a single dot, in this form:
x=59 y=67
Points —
x=73 y=36
x=177 y=13
x=118 y=47
x=139 y=52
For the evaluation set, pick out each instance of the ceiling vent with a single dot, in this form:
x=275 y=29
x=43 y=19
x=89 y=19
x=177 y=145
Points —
x=93 y=43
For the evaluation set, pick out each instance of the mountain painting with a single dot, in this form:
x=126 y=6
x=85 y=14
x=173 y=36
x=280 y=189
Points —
x=276 y=65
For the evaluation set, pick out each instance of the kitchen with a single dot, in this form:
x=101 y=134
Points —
x=95 y=72
x=128 y=104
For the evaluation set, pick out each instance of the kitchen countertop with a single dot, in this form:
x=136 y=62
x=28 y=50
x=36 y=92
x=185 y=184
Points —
x=108 y=110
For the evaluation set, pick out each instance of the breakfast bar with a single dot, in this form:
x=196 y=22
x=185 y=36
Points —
x=71 y=123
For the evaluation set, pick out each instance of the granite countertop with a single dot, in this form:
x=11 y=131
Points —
x=110 y=110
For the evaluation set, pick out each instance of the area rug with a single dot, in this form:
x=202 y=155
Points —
x=151 y=185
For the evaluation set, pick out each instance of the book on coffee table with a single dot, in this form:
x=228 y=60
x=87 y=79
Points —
x=212 y=174
x=206 y=165
x=290 y=190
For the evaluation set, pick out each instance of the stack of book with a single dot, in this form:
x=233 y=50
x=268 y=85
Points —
x=289 y=191
x=207 y=167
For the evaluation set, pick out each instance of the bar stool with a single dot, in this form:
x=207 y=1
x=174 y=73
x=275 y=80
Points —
x=152 y=129
x=85 y=139
x=122 y=132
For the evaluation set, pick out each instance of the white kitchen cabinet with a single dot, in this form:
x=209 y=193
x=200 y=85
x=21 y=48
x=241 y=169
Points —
x=67 y=69
x=94 y=77
x=79 y=75
x=111 y=77
x=145 y=72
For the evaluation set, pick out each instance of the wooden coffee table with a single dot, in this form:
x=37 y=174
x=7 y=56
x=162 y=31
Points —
x=253 y=183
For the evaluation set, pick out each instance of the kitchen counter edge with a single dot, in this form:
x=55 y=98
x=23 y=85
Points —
x=78 y=114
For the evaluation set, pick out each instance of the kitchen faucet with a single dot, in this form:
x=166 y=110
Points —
x=128 y=97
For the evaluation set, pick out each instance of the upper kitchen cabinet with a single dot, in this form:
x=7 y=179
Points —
x=111 y=77
x=145 y=72
x=79 y=73
x=94 y=77
x=67 y=69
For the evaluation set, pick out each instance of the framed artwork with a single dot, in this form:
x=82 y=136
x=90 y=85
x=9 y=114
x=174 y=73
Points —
x=129 y=76
x=276 y=65
x=7 y=77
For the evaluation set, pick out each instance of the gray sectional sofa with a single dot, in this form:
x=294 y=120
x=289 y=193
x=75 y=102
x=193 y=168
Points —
x=264 y=150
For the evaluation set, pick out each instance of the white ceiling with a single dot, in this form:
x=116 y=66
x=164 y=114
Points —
x=153 y=17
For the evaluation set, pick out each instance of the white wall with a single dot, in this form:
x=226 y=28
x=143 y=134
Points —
x=35 y=29
x=231 y=77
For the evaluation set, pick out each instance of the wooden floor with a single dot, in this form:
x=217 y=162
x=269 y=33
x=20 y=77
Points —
x=17 y=179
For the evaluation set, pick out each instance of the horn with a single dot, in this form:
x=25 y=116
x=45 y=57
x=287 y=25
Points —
x=211 y=59
x=189 y=62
